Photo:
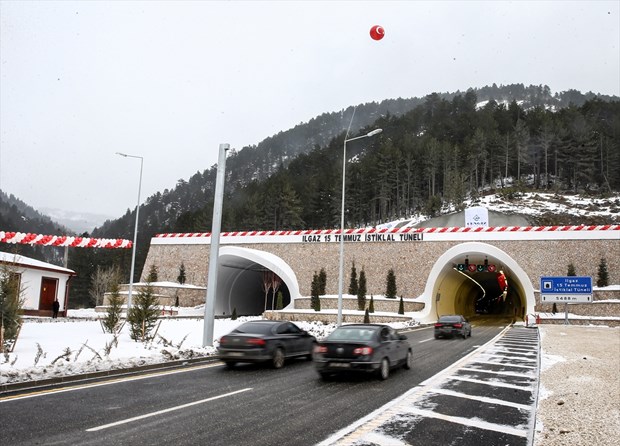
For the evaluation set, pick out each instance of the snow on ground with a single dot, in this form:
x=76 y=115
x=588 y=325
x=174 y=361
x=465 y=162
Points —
x=50 y=348
x=531 y=203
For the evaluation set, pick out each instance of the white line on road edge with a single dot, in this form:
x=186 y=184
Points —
x=159 y=412
x=107 y=382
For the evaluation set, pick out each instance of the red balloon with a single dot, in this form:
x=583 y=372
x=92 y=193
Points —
x=377 y=32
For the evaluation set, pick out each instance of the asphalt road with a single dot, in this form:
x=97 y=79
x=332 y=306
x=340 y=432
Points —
x=207 y=404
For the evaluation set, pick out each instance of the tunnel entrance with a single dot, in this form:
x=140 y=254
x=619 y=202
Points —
x=245 y=285
x=477 y=279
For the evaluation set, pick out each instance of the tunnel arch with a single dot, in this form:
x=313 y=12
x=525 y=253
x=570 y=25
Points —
x=448 y=291
x=246 y=296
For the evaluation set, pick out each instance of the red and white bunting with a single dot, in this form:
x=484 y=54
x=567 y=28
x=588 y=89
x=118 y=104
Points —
x=62 y=240
x=402 y=231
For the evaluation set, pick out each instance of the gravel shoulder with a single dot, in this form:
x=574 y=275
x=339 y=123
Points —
x=579 y=399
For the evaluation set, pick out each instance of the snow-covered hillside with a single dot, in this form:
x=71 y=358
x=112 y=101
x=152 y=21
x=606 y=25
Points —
x=539 y=209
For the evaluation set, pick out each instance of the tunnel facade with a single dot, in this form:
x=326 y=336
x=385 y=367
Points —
x=245 y=283
x=425 y=262
x=450 y=290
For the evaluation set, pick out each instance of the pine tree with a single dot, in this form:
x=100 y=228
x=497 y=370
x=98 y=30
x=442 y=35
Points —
x=112 y=319
x=181 y=277
x=315 y=301
x=353 y=285
x=371 y=306
x=143 y=314
x=401 y=306
x=322 y=282
x=279 y=301
x=390 y=290
x=11 y=303
x=603 y=274
x=234 y=314
x=571 y=270
x=366 y=317
x=153 y=274
x=361 y=291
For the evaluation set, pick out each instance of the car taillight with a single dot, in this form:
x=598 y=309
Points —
x=457 y=325
x=223 y=341
x=320 y=349
x=363 y=351
x=256 y=341
x=438 y=325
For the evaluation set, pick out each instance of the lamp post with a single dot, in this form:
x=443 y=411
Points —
x=341 y=265
x=135 y=231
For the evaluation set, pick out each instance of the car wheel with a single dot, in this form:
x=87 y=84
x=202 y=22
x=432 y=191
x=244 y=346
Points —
x=436 y=336
x=464 y=334
x=277 y=360
x=230 y=364
x=470 y=333
x=384 y=369
x=408 y=360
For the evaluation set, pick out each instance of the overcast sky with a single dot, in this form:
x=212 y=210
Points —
x=170 y=81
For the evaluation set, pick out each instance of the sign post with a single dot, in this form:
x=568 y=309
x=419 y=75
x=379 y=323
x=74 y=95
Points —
x=566 y=289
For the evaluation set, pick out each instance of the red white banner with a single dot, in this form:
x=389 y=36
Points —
x=62 y=240
x=407 y=235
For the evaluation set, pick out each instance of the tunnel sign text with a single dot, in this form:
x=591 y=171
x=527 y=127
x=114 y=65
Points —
x=567 y=289
x=327 y=238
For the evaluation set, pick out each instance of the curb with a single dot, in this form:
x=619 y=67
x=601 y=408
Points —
x=6 y=389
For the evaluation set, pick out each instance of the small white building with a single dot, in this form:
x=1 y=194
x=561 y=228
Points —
x=40 y=283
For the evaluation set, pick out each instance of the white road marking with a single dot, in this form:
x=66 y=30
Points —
x=159 y=412
x=72 y=388
x=426 y=340
x=468 y=422
x=529 y=367
x=497 y=372
x=483 y=399
x=490 y=383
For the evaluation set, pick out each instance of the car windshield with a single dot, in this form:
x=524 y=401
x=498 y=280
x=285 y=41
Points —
x=450 y=319
x=254 y=328
x=352 y=334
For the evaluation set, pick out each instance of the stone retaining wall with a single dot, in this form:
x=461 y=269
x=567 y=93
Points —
x=412 y=262
x=188 y=297
x=332 y=318
x=611 y=306
x=381 y=305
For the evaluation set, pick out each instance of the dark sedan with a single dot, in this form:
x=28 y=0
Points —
x=265 y=341
x=454 y=325
x=370 y=348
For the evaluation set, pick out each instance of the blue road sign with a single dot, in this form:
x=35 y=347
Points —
x=566 y=289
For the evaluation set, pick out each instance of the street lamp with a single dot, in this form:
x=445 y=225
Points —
x=341 y=266
x=135 y=231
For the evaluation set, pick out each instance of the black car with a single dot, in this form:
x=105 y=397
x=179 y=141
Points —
x=453 y=325
x=369 y=348
x=265 y=341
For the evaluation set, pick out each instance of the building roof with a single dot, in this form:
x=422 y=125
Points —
x=27 y=262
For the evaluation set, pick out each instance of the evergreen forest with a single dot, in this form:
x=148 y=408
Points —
x=432 y=155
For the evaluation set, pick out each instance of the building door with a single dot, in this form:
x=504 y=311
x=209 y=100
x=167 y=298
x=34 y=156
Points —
x=49 y=287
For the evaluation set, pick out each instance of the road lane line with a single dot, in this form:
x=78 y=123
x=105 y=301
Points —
x=159 y=412
x=71 y=388
x=426 y=340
